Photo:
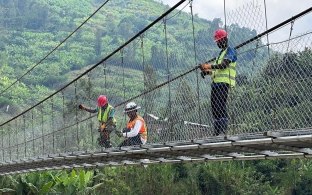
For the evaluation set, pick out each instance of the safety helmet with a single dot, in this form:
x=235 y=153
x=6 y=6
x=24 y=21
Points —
x=131 y=106
x=102 y=100
x=219 y=34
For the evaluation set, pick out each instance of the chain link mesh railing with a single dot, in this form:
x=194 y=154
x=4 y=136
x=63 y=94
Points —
x=157 y=72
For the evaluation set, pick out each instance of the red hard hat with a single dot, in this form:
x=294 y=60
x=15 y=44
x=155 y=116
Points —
x=102 y=100
x=219 y=34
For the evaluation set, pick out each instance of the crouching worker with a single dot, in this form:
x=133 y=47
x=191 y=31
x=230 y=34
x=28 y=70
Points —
x=107 y=122
x=136 y=132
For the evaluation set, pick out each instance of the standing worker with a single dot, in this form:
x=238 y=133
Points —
x=223 y=74
x=105 y=115
x=136 y=132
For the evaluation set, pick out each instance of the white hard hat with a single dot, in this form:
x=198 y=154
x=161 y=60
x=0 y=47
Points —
x=131 y=106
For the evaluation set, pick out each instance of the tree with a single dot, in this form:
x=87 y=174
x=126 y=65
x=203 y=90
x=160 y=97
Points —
x=158 y=59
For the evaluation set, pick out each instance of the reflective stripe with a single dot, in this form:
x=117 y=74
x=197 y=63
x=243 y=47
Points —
x=226 y=75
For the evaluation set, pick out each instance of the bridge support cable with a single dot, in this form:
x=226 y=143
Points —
x=144 y=71
x=2 y=144
x=197 y=72
x=266 y=26
x=42 y=128
x=92 y=101
x=169 y=108
x=224 y=12
x=76 y=115
x=290 y=33
x=64 y=122
x=24 y=135
x=52 y=124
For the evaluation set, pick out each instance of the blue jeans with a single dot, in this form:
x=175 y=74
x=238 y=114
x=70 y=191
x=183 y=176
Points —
x=219 y=95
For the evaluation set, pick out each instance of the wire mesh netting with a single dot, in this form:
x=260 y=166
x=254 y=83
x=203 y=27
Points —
x=272 y=92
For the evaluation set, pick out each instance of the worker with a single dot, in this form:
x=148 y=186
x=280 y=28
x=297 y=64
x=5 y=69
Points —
x=223 y=73
x=136 y=132
x=107 y=122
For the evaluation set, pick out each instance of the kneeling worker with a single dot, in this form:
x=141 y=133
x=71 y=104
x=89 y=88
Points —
x=136 y=132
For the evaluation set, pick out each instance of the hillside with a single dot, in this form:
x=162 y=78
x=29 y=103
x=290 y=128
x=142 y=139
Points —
x=33 y=28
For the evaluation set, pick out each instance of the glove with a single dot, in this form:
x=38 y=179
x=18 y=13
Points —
x=119 y=133
x=81 y=106
x=205 y=68
x=126 y=130
x=102 y=127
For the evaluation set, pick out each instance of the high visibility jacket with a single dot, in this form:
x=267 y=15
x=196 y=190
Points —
x=103 y=115
x=143 y=130
x=226 y=75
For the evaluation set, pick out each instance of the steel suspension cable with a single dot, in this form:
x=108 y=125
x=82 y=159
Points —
x=224 y=11
x=33 y=131
x=55 y=48
x=123 y=79
x=105 y=78
x=52 y=124
x=76 y=114
x=2 y=140
x=89 y=93
x=195 y=60
x=266 y=26
x=64 y=120
x=144 y=69
x=290 y=33
x=168 y=77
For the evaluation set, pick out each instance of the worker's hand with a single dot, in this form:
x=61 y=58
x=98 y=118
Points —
x=81 y=106
x=102 y=127
x=118 y=133
x=206 y=67
x=126 y=130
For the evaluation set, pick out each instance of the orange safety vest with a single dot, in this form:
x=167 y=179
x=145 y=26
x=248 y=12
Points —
x=143 y=130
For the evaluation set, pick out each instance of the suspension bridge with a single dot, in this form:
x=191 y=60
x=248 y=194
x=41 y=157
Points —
x=269 y=109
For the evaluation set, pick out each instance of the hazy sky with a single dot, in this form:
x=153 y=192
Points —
x=277 y=11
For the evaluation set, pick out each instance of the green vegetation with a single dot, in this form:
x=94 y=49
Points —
x=232 y=177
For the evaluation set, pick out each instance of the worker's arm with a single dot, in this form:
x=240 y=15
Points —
x=135 y=130
x=82 y=107
x=229 y=57
x=111 y=113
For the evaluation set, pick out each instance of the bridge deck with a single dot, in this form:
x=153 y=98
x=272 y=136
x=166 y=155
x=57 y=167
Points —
x=283 y=144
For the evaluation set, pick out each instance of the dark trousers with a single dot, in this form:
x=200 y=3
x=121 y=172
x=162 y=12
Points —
x=104 y=139
x=131 y=141
x=219 y=95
